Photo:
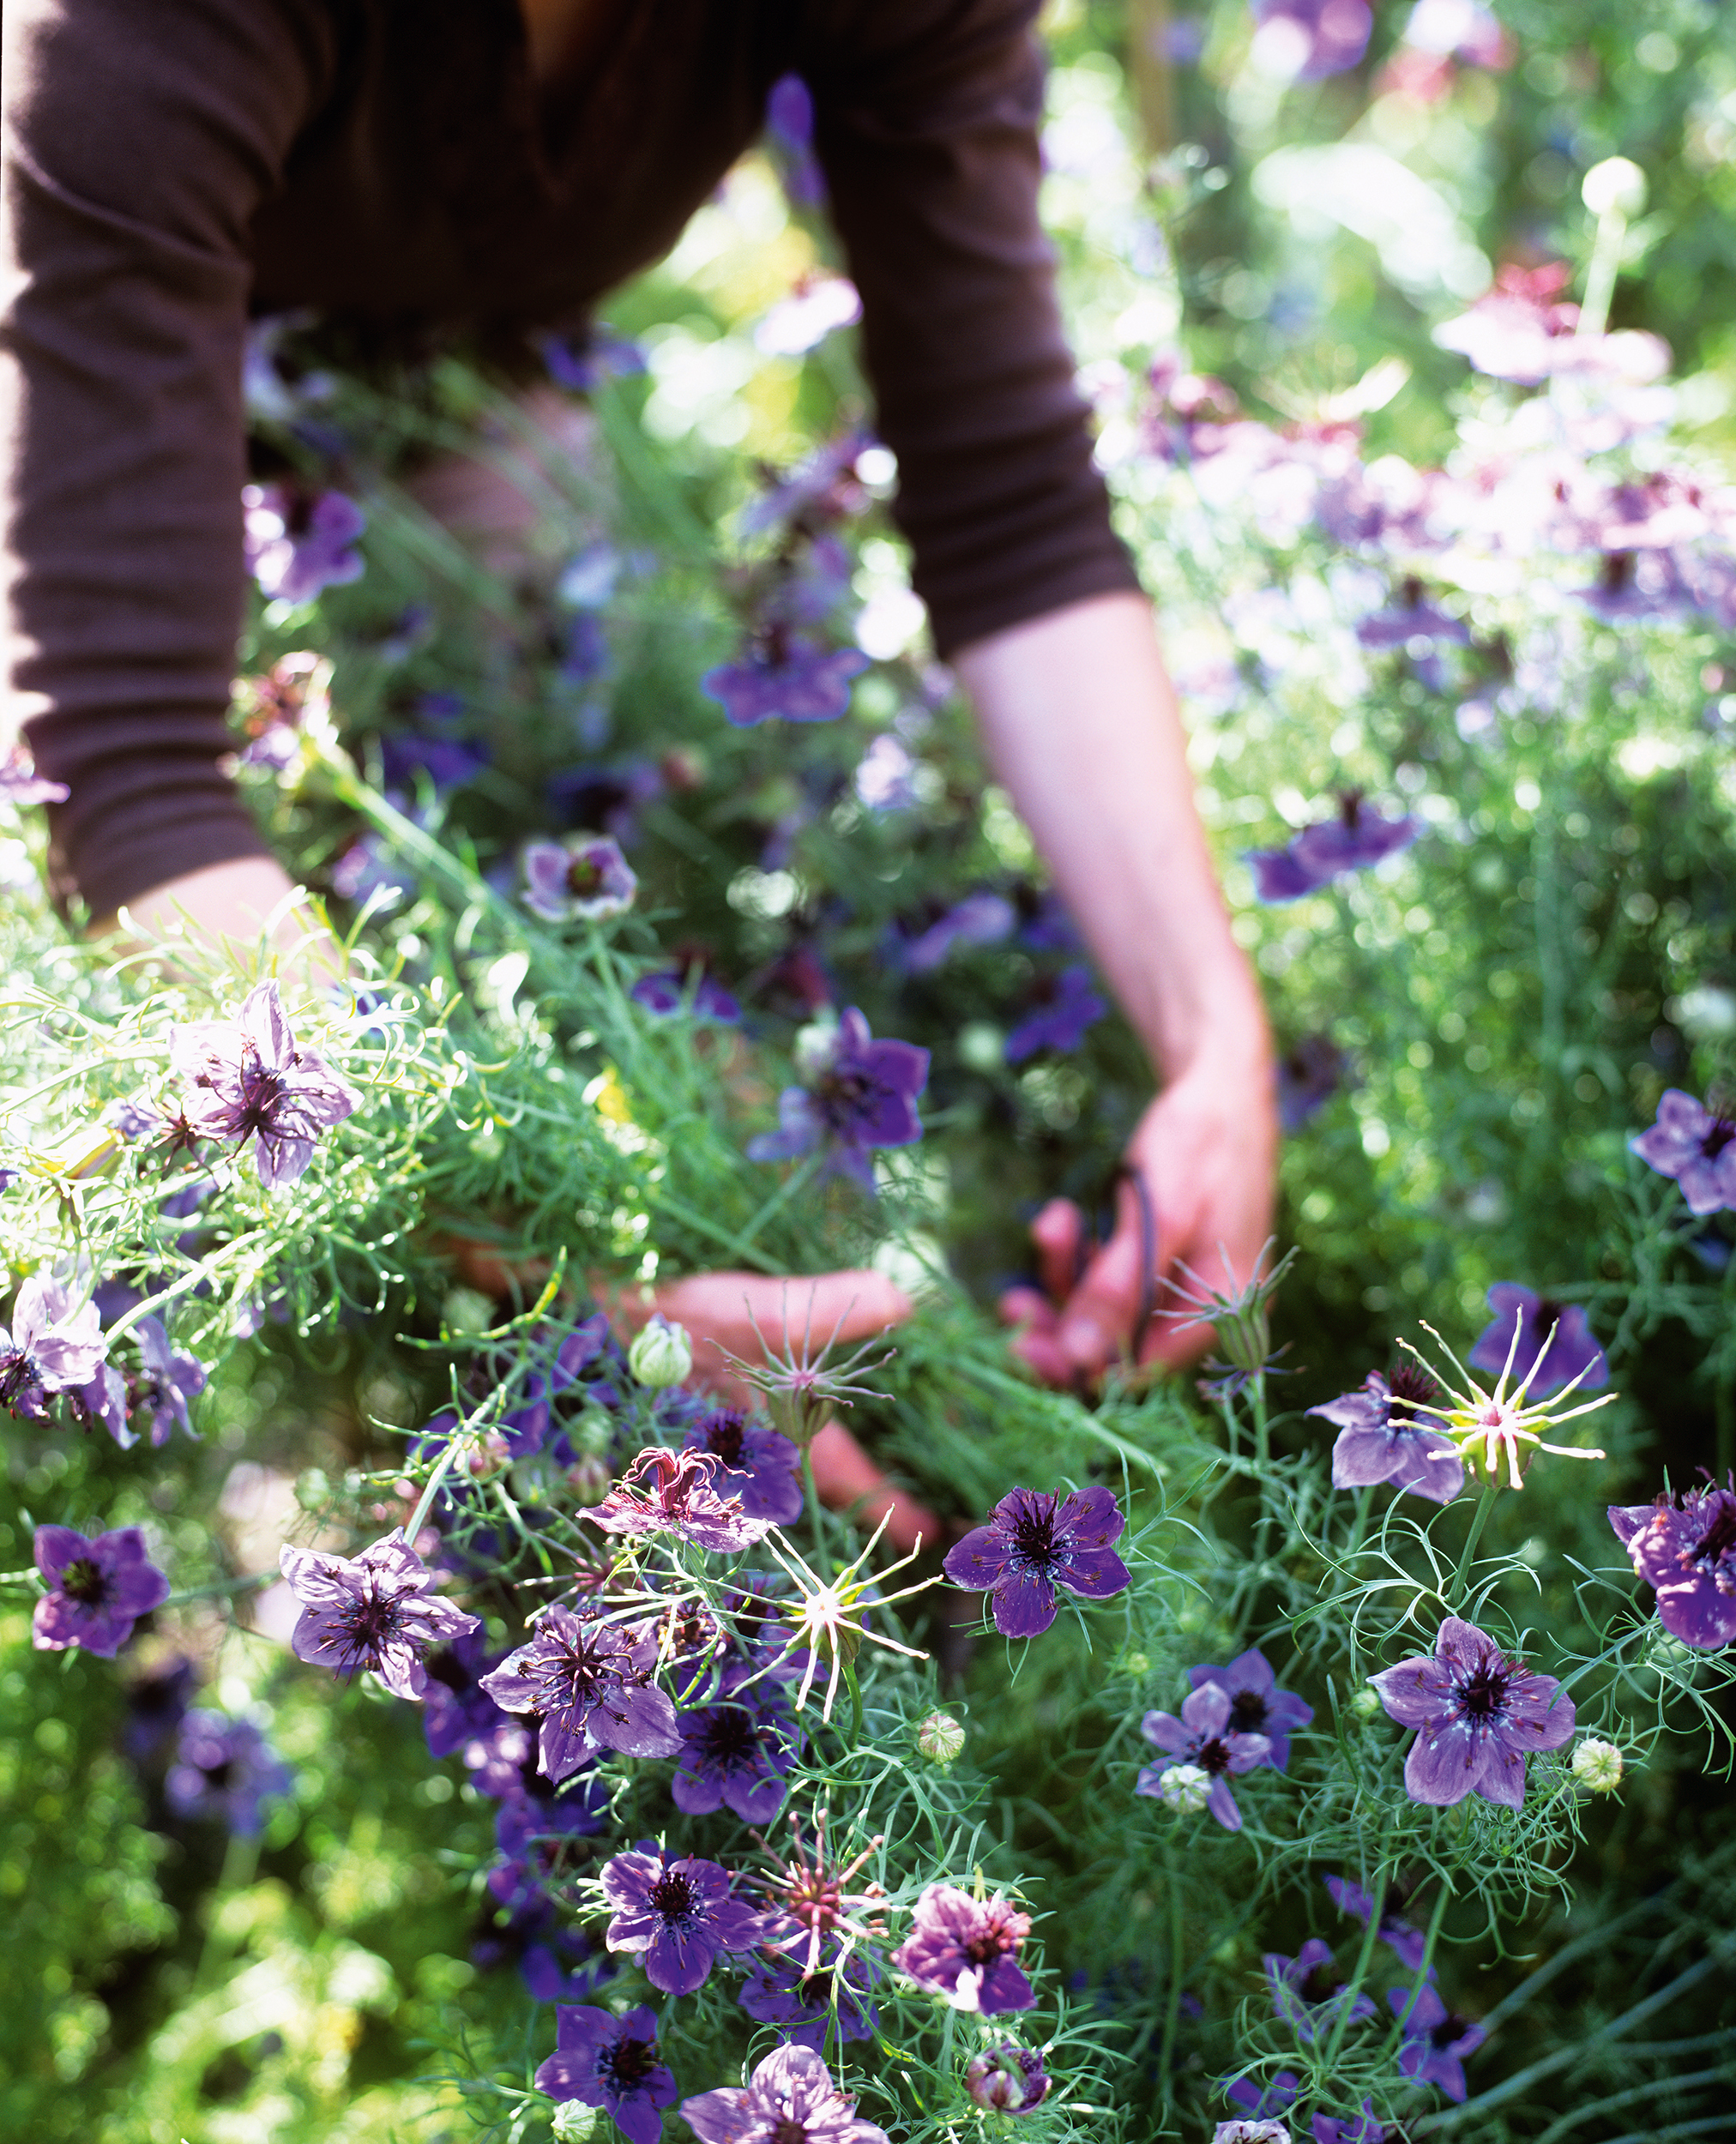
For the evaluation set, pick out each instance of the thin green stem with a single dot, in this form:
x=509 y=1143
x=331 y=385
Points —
x=1480 y=1518
x=1172 y=2012
x=1345 y=2000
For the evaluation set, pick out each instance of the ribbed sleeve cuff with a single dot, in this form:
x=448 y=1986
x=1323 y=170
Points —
x=128 y=829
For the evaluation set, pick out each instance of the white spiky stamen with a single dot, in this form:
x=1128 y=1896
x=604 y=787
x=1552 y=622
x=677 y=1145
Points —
x=831 y=1612
x=1499 y=1420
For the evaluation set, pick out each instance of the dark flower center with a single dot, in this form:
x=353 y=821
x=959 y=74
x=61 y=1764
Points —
x=724 y=1432
x=582 y=1671
x=1450 y=2028
x=1212 y=1756
x=1248 y=1712
x=1034 y=1537
x=584 y=876
x=367 y=1623
x=18 y=1373
x=84 y=1580
x=987 y=1944
x=624 y=2065
x=1411 y=1387
x=1718 y=1135
x=1483 y=1696
x=730 y=1738
x=671 y=1895
x=845 y=1098
x=790 y=2131
x=220 y=1775
x=262 y=1095
x=1320 y=1983
x=1719 y=1538
x=814 y=1992
x=1350 y=808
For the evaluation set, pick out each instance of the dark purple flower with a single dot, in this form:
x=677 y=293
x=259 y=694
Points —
x=378 y=1610
x=676 y=1909
x=807 y=2006
x=246 y=1079
x=789 y=2099
x=790 y=136
x=164 y=1382
x=448 y=762
x=780 y=677
x=755 y=1464
x=735 y=1751
x=21 y=785
x=1381 y=1439
x=156 y=1705
x=1262 y=2105
x=1204 y=1737
x=1066 y=1005
x=1257 y=1706
x=98 y=1589
x=967 y=1949
x=1478 y=1714
x=859 y=1094
x=1409 y=1943
x=979 y=919
x=370 y=867
x=299 y=541
x=590 y=1681
x=49 y=1348
x=678 y=1492
x=455 y=1708
x=1436 y=2040
x=1007 y=2080
x=1689 y=1143
x=1555 y=1345
x=1684 y=1545
x=1359 y=836
x=587 y=878
x=1349 y=2129
x=668 y=991
x=1307 y=39
x=582 y=362
x=1309 y=1073
x=1307 y=1993
x=1034 y=1541
x=611 y=2063
x=226 y=1770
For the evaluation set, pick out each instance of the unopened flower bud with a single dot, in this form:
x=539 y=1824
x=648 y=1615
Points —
x=594 y=1433
x=466 y=1310
x=940 y=1737
x=589 y=1477
x=1007 y=2080
x=1136 y=1664
x=662 y=1354
x=1597 y=1765
x=1365 y=1704
x=1617 y=184
x=1187 y=1787
x=574 y=2123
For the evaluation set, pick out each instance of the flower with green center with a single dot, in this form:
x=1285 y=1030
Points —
x=1487 y=1427
x=830 y=1617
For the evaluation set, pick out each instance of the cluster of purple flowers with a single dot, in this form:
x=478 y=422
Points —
x=858 y=1095
x=1234 y=1719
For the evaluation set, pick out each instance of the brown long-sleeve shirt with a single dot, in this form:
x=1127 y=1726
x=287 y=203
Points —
x=172 y=168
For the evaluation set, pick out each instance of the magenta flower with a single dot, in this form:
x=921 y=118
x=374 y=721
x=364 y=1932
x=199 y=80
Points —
x=47 y=1348
x=678 y=1911
x=1556 y=1346
x=967 y=1949
x=246 y=1079
x=1203 y=1736
x=378 y=1610
x=586 y=878
x=803 y=2005
x=1359 y=836
x=1381 y=1438
x=1436 y=2040
x=735 y=1752
x=1257 y=1706
x=1690 y=1144
x=590 y=1681
x=779 y=676
x=298 y=541
x=612 y=2062
x=1479 y=1715
x=1066 y=1005
x=859 y=1094
x=789 y=2099
x=1408 y=1942
x=98 y=1589
x=226 y=1771
x=1307 y=1992
x=1007 y=2080
x=756 y=1465
x=1684 y=1545
x=677 y=1492
x=1034 y=1541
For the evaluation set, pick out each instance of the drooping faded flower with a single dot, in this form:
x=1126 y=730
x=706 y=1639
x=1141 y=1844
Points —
x=756 y=1465
x=612 y=2062
x=1381 y=1437
x=1692 y=1145
x=1358 y=837
x=808 y=2006
x=1410 y=1944
x=1007 y=2080
x=1257 y=1706
x=967 y=1949
x=789 y=2099
x=1204 y=1738
x=1684 y=1546
x=1066 y=1005
x=780 y=677
x=586 y=878
x=676 y=1492
x=1479 y=1716
x=49 y=1347
x=858 y=1095
x=677 y=1912
x=830 y=1617
x=590 y=1681
x=98 y=1589
x=1307 y=1992
x=378 y=1610
x=299 y=541
x=736 y=1751
x=1035 y=1540
x=1435 y=2039
x=247 y=1080
x=1556 y=1346
x=224 y=1770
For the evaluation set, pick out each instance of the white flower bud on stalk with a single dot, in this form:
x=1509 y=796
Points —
x=940 y=1737
x=662 y=1355
x=1598 y=1765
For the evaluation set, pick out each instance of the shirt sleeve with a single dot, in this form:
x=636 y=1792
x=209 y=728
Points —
x=926 y=124
x=138 y=142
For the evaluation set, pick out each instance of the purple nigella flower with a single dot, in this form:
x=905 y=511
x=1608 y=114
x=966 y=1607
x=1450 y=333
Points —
x=676 y=1909
x=1276 y=2096
x=611 y=2063
x=298 y=541
x=789 y=2099
x=1689 y=1143
x=1034 y=1541
x=376 y=1611
x=1318 y=37
x=967 y=1949
x=1409 y=1943
x=1203 y=1737
x=678 y=1492
x=756 y=1465
x=165 y=1382
x=21 y=785
x=98 y=1589
x=1554 y=1335
x=1348 y=2128
x=590 y=1681
x=1306 y=1992
x=1323 y=852
x=1686 y=1546
x=1066 y=1005
x=1007 y=2080
x=1309 y=1074
x=979 y=920
x=455 y=1708
x=1478 y=1714
x=667 y=992
x=1257 y=1706
x=859 y=1094
x=1381 y=1439
x=586 y=878
x=736 y=1751
x=248 y=1081
x=803 y=2005
x=1435 y=2041
x=780 y=677
x=224 y=1769
x=47 y=1350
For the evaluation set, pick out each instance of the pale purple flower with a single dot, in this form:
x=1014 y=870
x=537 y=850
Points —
x=1035 y=1540
x=1408 y=1943
x=1258 y=2103
x=1205 y=1736
x=678 y=1492
x=590 y=1681
x=677 y=1911
x=967 y=1949
x=859 y=1094
x=1684 y=1545
x=1257 y=1706
x=455 y=1708
x=1319 y=36
x=1555 y=1344
x=757 y=1464
x=48 y=1348
x=298 y=541
x=885 y=777
x=806 y=2006
x=1382 y=1438
x=979 y=919
x=780 y=677
x=101 y=1402
x=790 y=2099
x=1066 y=1005
x=1520 y=330
x=1435 y=2039
x=226 y=1770
x=1243 y=2132
x=21 y=785
x=1479 y=1716
x=376 y=1611
x=1690 y=1144
x=1309 y=1073
x=612 y=2062
x=247 y=1080
x=581 y=362
x=98 y=1589
x=678 y=990
x=1007 y=2080
x=1307 y=1993
x=1359 y=836
x=165 y=1383
x=586 y=879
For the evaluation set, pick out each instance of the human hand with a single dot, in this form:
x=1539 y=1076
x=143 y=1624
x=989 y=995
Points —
x=232 y=901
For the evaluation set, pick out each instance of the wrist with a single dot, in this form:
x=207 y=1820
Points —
x=1210 y=1014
